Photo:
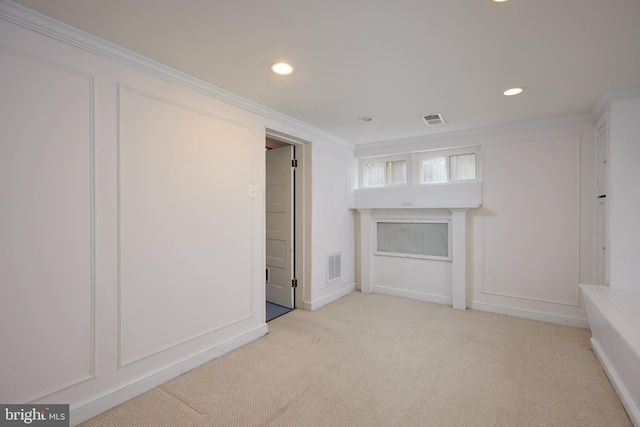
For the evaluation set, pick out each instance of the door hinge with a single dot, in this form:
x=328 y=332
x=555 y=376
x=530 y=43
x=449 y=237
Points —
x=294 y=283
x=294 y=163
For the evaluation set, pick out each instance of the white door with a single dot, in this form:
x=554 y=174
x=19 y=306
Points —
x=279 y=226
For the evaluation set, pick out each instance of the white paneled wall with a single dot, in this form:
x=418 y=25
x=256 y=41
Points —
x=132 y=218
x=333 y=226
x=531 y=219
x=530 y=243
x=624 y=197
x=131 y=248
x=179 y=243
x=47 y=249
x=532 y=238
x=613 y=310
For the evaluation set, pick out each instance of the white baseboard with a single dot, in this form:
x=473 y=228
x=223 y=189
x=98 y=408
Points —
x=629 y=405
x=95 y=405
x=438 y=299
x=530 y=314
x=316 y=304
x=492 y=308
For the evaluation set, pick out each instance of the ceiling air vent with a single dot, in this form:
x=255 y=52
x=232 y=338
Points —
x=433 y=119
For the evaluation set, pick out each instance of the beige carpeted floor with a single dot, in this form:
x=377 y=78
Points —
x=376 y=360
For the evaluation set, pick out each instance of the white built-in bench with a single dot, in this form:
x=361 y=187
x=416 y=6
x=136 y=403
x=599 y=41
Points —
x=614 y=318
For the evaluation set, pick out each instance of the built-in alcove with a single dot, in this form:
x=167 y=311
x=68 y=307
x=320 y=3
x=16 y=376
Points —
x=417 y=205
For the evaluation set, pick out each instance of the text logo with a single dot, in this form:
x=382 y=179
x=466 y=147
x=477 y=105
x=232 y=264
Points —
x=34 y=415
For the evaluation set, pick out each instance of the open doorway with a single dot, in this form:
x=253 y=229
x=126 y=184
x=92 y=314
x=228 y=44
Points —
x=282 y=233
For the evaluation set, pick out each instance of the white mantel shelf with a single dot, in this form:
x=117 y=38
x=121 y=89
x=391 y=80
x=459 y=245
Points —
x=464 y=195
x=457 y=198
x=447 y=206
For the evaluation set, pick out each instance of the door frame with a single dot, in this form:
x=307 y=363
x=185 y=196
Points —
x=302 y=214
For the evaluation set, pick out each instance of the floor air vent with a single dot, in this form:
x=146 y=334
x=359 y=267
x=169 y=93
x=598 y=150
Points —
x=333 y=267
x=433 y=119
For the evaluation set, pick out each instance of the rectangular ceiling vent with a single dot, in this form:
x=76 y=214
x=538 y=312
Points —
x=433 y=119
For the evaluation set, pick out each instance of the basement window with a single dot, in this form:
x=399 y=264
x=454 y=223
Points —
x=420 y=168
x=383 y=172
x=447 y=166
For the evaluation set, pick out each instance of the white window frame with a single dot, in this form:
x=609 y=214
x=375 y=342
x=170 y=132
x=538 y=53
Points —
x=448 y=257
x=414 y=167
x=385 y=159
x=419 y=157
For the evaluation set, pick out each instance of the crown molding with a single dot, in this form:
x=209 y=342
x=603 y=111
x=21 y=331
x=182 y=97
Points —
x=477 y=132
x=40 y=23
x=601 y=106
x=608 y=97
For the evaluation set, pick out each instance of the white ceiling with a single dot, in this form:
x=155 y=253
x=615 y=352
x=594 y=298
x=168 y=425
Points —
x=392 y=60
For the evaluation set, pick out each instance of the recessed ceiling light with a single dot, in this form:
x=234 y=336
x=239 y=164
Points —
x=512 y=91
x=499 y=1
x=366 y=119
x=281 y=68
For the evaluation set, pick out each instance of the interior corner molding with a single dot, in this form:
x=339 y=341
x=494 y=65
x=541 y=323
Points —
x=327 y=299
x=40 y=23
x=608 y=97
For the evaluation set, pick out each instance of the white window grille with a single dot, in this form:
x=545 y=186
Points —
x=428 y=239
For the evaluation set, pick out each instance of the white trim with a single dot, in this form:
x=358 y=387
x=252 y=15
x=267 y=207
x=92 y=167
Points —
x=470 y=133
x=608 y=97
x=459 y=254
x=616 y=340
x=558 y=319
x=632 y=410
x=92 y=406
x=491 y=308
x=334 y=296
x=280 y=136
x=421 y=296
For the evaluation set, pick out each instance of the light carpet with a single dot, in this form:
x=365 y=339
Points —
x=377 y=360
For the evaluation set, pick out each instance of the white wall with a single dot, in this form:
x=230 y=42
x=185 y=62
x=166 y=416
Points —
x=129 y=241
x=333 y=223
x=530 y=243
x=130 y=248
x=624 y=198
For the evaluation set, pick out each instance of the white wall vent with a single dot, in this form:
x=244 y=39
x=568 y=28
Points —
x=334 y=270
x=433 y=119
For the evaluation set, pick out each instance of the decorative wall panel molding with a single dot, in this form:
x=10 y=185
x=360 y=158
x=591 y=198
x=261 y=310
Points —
x=534 y=249
x=47 y=249
x=180 y=230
